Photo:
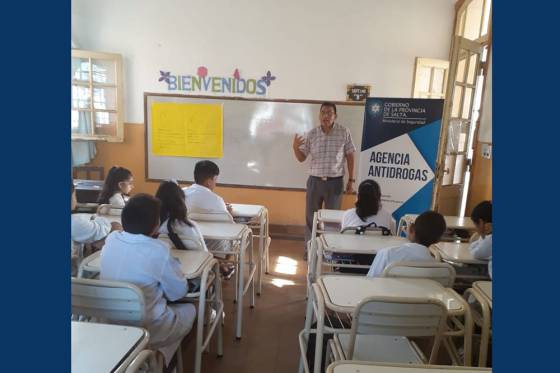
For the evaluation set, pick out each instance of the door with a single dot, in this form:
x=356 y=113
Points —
x=457 y=126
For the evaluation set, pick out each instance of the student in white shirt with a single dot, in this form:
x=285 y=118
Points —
x=200 y=198
x=117 y=187
x=368 y=212
x=368 y=208
x=173 y=214
x=136 y=257
x=87 y=229
x=425 y=231
x=481 y=241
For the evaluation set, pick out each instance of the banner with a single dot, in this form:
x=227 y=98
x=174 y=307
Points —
x=399 y=150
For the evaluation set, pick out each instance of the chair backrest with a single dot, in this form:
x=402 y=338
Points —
x=107 y=209
x=188 y=241
x=211 y=216
x=407 y=317
x=111 y=300
x=443 y=273
x=90 y=264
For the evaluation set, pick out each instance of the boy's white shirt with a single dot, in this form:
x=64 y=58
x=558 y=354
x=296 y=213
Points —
x=118 y=200
x=409 y=252
x=482 y=249
x=382 y=218
x=200 y=199
x=184 y=230
x=147 y=263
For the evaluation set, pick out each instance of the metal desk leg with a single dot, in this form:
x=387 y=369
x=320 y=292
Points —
x=240 y=287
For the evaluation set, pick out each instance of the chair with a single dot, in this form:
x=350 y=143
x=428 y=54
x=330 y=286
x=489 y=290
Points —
x=381 y=325
x=113 y=301
x=145 y=362
x=107 y=209
x=443 y=273
x=90 y=264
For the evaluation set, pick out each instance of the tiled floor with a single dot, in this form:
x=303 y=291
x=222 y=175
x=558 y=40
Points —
x=269 y=343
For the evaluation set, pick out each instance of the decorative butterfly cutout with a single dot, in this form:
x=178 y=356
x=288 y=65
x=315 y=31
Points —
x=165 y=76
x=236 y=74
x=268 y=78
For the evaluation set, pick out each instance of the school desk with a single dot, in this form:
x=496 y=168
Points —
x=346 y=366
x=457 y=253
x=105 y=348
x=342 y=293
x=481 y=293
x=451 y=222
x=236 y=233
x=350 y=244
x=87 y=191
x=256 y=217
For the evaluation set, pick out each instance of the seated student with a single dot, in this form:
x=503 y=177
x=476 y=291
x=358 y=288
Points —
x=425 y=231
x=173 y=214
x=481 y=241
x=368 y=212
x=200 y=198
x=87 y=229
x=117 y=187
x=368 y=208
x=136 y=257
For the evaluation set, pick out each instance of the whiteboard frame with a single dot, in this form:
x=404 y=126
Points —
x=230 y=98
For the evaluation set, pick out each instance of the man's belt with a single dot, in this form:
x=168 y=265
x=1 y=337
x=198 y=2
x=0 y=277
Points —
x=325 y=178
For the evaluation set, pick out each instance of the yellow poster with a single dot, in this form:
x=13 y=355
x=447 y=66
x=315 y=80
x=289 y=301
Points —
x=187 y=130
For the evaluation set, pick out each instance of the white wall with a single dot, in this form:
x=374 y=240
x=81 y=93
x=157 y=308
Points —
x=485 y=129
x=314 y=47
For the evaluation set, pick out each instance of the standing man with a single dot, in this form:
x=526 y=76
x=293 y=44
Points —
x=327 y=145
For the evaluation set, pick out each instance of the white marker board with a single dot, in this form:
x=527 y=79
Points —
x=257 y=140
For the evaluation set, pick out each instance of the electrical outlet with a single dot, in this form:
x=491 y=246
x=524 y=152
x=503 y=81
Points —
x=487 y=151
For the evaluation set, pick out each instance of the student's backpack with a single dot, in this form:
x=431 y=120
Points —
x=359 y=259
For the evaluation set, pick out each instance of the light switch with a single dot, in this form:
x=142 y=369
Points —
x=487 y=151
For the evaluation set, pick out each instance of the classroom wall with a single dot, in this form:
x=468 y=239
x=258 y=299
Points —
x=314 y=48
x=285 y=207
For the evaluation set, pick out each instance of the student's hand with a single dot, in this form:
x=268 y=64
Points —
x=116 y=226
x=298 y=142
x=229 y=208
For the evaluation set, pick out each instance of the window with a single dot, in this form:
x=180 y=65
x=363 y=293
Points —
x=96 y=111
x=430 y=78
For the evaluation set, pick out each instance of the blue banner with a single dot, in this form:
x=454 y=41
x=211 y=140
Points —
x=399 y=150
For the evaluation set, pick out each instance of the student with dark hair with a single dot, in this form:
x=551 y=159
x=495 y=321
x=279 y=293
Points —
x=135 y=256
x=201 y=199
x=200 y=196
x=426 y=230
x=117 y=187
x=481 y=241
x=173 y=214
x=368 y=208
x=87 y=230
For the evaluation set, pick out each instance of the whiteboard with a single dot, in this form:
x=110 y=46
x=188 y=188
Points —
x=257 y=140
